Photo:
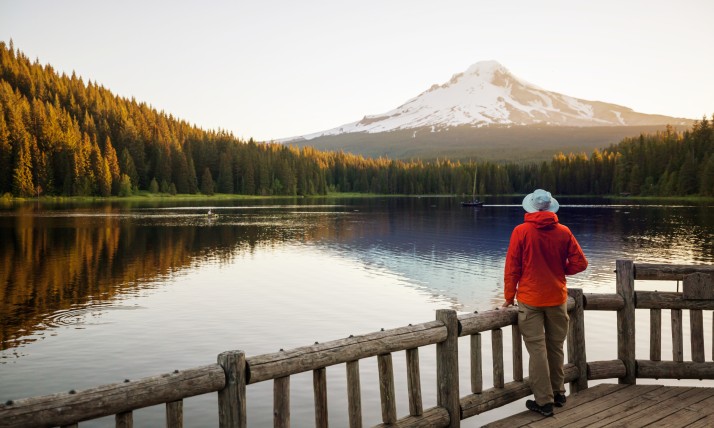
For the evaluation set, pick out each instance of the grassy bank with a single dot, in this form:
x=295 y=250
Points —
x=145 y=196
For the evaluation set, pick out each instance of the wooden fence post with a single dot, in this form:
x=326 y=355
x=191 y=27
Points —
x=319 y=386
x=625 y=286
x=124 y=420
x=174 y=414
x=281 y=402
x=576 y=341
x=354 y=397
x=231 y=399
x=447 y=367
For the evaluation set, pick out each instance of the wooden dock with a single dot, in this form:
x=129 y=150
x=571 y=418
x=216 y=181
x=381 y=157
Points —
x=617 y=405
x=620 y=403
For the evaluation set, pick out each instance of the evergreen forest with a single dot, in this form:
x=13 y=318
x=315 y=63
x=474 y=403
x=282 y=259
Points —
x=62 y=136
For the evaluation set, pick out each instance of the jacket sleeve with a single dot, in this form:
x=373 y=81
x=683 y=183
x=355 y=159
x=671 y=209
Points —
x=576 y=258
x=514 y=267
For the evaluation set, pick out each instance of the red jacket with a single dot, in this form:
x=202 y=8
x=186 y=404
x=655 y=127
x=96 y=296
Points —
x=542 y=251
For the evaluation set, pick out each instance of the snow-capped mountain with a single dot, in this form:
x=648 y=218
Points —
x=488 y=95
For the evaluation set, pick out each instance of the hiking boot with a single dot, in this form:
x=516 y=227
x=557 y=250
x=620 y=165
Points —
x=559 y=399
x=545 y=410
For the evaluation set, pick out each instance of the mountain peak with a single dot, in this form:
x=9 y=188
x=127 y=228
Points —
x=488 y=94
x=485 y=68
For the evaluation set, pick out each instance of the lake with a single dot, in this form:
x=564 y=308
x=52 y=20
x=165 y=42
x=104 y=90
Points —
x=98 y=293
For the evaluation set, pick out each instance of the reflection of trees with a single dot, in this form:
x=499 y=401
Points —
x=50 y=264
x=59 y=263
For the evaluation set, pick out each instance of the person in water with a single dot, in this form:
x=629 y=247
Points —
x=540 y=254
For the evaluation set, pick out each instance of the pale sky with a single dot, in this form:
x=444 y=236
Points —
x=272 y=69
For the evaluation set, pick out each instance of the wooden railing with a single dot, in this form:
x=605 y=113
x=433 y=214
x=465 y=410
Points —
x=233 y=371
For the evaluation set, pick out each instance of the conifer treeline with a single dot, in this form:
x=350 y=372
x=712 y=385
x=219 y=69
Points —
x=60 y=136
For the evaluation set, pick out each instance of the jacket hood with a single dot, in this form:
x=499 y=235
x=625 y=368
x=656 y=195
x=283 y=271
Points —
x=542 y=219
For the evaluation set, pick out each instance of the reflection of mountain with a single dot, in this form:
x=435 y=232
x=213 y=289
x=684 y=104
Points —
x=459 y=253
x=54 y=265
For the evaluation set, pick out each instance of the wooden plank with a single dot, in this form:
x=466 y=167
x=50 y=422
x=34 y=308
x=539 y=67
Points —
x=281 y=402
x=606 y=369
x=655 y=413
x=674 y=370
x=655 y=334
x=652 y=399
x=573 y=415
x=602 y=302
x=574 y=400
x=447 y=367
x=690 y=414
x=613 y=408
x=476 y=364
x=696 y=324
x=677 y=336
x=497 y=354
x=414 y=382
x=306 y=358
x=354 y=395
x=436 y=417
x=669 y=272
x=487 y=320
x=625 y=286
x=68 y=408
x=319 y=383
x=669 y=300
x=386 y=388
x=698 y=286
x=174 y=414
x=517 y=346
x=706 y=422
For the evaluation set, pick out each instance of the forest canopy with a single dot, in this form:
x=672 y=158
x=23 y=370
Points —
x=62 y=136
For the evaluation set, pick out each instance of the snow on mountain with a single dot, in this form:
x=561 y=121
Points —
x=487 y=94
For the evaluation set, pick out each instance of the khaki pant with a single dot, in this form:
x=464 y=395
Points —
x=544 y=329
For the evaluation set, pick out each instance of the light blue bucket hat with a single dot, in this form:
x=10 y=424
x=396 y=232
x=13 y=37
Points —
x=540 y=200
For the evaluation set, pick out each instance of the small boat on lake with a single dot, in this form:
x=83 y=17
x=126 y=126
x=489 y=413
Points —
x=474 y=202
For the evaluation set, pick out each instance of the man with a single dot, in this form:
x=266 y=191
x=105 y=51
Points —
x=541 y=253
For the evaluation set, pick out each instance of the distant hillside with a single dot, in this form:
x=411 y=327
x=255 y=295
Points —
x=493 y=143
x=62 y=136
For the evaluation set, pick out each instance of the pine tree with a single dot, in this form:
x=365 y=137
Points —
x=22 y=184
x=125 y=186
x=110 y=154
x=154 y=186
x=126 y=164
x=180 y=171
x=207 y=182
x=5 y=156
x=192 y=181
x=225 y=175
x=688 y=182
x=104 y=180
x=706 y=186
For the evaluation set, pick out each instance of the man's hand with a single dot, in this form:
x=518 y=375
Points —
x=506 y=304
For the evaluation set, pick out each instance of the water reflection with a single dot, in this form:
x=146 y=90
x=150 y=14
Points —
x=58 y=266
x=64 y=266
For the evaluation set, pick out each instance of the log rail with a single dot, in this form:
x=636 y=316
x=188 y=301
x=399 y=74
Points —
x=233 y=371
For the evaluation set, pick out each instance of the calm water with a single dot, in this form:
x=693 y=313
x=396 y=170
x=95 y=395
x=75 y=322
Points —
x=98 y=294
